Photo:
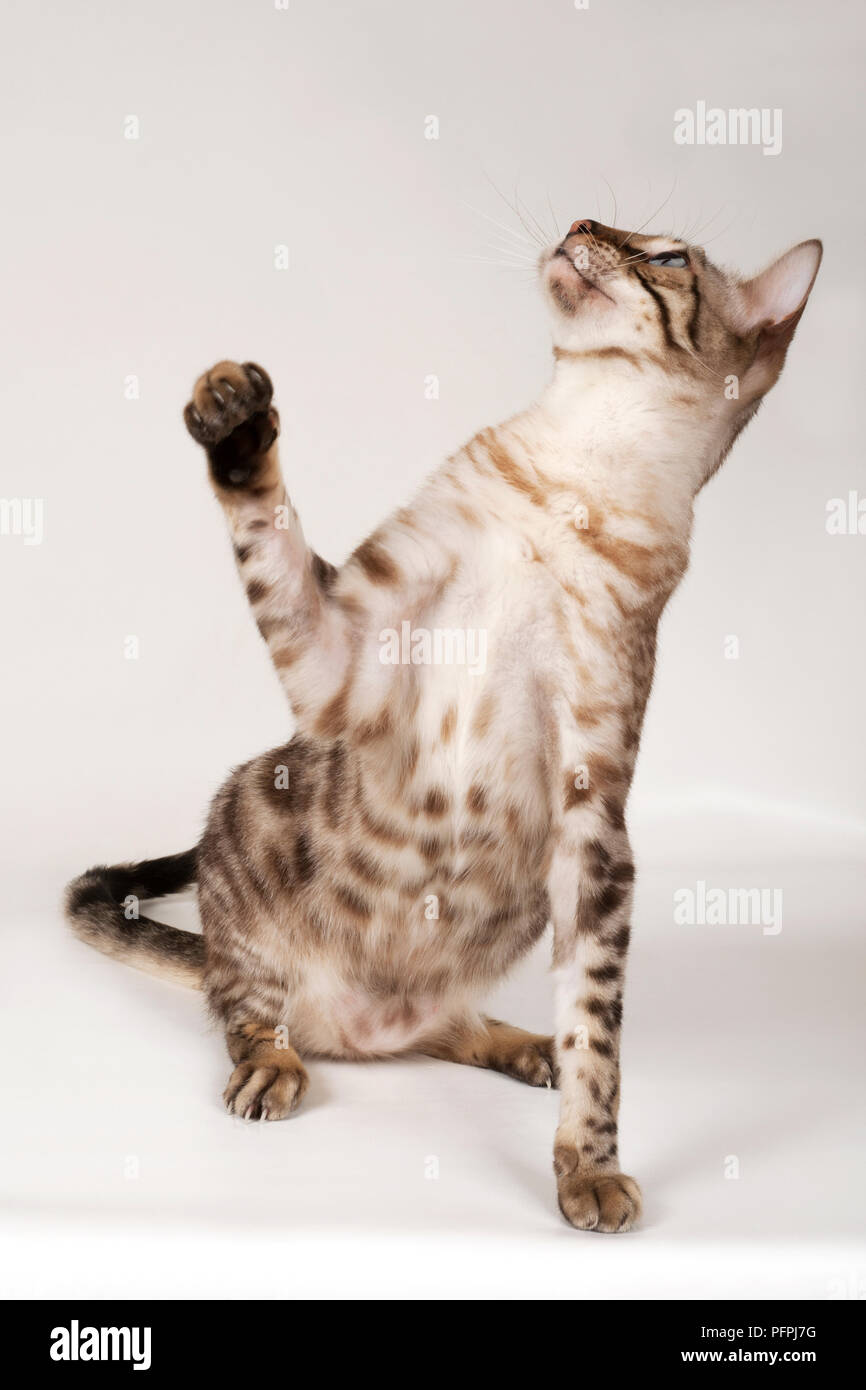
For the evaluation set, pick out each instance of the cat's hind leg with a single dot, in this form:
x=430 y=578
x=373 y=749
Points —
x=269 y=1078
x=485 y=1042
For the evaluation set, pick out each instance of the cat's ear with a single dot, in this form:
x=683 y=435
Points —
x=772 y=304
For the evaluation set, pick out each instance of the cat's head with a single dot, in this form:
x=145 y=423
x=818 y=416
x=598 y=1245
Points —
x=690 y=331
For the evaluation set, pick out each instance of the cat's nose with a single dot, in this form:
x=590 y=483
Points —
x=585 y=225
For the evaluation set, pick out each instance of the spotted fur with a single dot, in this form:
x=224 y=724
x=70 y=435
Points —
x=362 y=886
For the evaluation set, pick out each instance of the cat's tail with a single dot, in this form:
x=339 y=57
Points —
x=102 y=907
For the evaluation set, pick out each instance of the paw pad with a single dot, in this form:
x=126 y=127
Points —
x=227 y=397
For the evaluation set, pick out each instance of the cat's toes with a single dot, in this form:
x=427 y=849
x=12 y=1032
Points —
x=259 y=1092
x=599 y=1201
x=229 y=396
x=530 y=1060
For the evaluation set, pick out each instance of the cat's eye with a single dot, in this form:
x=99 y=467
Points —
x=673 y=260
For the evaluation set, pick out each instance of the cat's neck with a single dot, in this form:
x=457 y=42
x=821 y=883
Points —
x=625 y=435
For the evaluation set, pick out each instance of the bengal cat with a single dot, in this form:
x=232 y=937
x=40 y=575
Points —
x=361 y=887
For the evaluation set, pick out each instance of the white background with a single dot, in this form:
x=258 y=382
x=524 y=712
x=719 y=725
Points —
x=154 y=257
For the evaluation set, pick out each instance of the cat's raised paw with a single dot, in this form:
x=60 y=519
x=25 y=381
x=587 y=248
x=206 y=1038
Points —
x=257 y=1092
x=233 y=402
x=599 y=1201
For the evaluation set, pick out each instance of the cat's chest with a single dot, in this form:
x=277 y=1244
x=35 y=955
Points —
x=527 y=622
x=478 y=675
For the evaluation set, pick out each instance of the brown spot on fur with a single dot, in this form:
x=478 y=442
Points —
x=449 y=724
x=283 y=657
x=280 y=867
x=603 y=974
x=324 y=573
x=380 y=830
x=332 y=720
x=610 y=899
x=620 y=939
x=298 y=793
x=483 y=716
x=509 y=470
x=469 y=516
x=352 y=902
x=596 y=858
x=305 y=864
x=595 y=1006
x=335 y=785
x=376 y=563
x=366 y=868
x=606 y=774
x=574 y=795
x=436 y=802
x=623 y=872
x=375 y=728
x=638 y=563
x=268 y=626
x=256 y=590
x=476 y=799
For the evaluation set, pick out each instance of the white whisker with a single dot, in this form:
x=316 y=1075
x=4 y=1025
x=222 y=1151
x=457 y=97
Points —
x=510 y=231
x=651 y=217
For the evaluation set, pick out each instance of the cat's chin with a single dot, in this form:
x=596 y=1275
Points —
x=571 y=289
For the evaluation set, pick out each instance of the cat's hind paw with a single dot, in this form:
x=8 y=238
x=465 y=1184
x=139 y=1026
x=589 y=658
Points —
x=531 y=1061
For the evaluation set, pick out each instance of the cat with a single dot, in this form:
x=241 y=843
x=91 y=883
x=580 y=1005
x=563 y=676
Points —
x=363 y=885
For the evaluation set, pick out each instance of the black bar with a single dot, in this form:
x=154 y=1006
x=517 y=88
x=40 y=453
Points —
x=255 y=1336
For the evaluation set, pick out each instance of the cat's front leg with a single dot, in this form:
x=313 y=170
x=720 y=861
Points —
x=232 y=416
x=269 y=1079
x=590 y=889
